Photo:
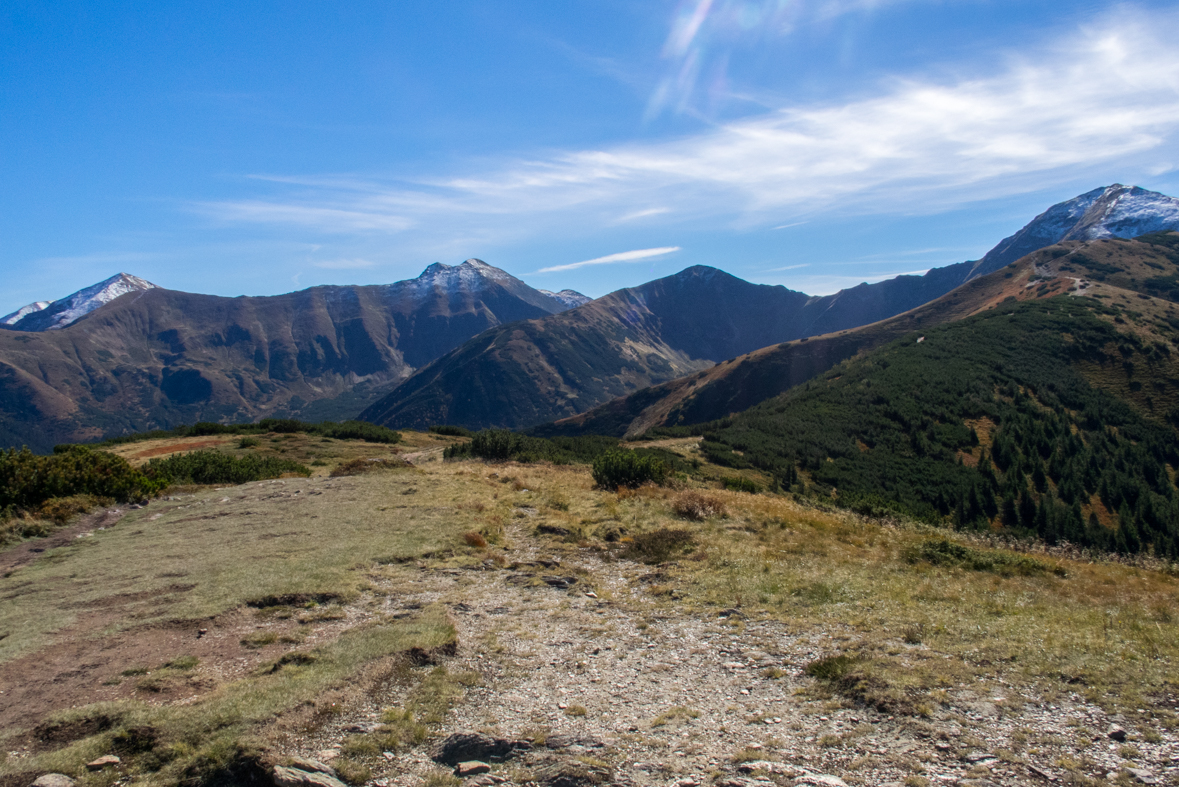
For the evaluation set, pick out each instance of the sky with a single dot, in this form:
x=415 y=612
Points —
x=257 y=148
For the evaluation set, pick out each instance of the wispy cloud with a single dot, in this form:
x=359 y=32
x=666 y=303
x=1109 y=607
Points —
x=344 y=264
x=704 y=34
x=787 y=268
x=622 y=256
x=1106 y=97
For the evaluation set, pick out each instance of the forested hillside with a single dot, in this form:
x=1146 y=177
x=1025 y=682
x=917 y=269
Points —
x=1014 y=418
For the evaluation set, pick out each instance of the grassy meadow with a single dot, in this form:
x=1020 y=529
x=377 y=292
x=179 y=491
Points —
x=301 y=584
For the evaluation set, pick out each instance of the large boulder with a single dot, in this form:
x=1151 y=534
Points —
x=293 y=777
x=54 y=780
x=466 y=746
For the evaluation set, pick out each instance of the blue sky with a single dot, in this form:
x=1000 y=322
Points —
x=256 y=148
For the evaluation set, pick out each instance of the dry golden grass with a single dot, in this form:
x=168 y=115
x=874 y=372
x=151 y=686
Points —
x=903 y=634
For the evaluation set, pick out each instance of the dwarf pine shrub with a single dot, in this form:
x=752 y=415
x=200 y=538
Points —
x=615 y=469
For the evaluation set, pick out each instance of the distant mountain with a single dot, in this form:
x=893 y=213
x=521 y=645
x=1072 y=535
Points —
x=149 y=357
x=23 y=311
x=538 y=370
x=523 y=375
x=1118 y=270
x=1115 y=211
x=68 y=310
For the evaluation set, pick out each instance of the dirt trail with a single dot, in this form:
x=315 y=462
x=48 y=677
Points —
x=663 y=696
x=28 y=551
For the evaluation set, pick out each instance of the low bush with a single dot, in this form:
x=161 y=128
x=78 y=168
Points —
x=451 y=431
x=695 y=505
x=659 y=546
x=741 y=484
x=346 y=430
x=28 y=480
x=615 y=469
x=947 y=553
x=362 y=466
x=213 y=467
x=501 y=445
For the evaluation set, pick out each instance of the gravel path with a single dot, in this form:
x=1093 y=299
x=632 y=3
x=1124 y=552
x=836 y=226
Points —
x=663 y=697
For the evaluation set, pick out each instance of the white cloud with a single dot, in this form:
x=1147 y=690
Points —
x=622 y=256
x=1106 y=99
x=344 y=264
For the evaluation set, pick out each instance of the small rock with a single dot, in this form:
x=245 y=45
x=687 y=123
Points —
x=976 y=783
x=562 y=741
x=560 y=583
x=54 y=780
x=363 y=728
x=776 y=768
x=731 y=613
x=293 y=777
x=1143 y=776
x=739 y=781
x=572 y=774
x=1043 y=774
x=689 y=782
x=975 y=757
x=820 y=780
x=327 y=755
x=943 y=747
x=312 y=766
x=486 y=780
x=471 y=768
x=103 y=762
x=1116 y=733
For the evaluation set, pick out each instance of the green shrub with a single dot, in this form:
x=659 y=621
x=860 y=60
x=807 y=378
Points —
x=501 y=445
x=658 y=546
x=615 y=469
x=451 y=431
x=946 y=553
x=353 y=430
x=357 y=430
x=249 y=442
x=740 y=484
x=212 y=467
x=28 y=480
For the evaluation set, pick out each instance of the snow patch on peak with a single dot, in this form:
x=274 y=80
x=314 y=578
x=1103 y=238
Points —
x=23 y=312
x=568 y=298
x=471 y=276
x=72 y=308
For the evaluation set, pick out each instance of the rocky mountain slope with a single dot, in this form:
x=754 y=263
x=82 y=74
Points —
x=127 y=356
x=534 y=371
x=1124 y=272
x=1115 y=211
x=557 y=367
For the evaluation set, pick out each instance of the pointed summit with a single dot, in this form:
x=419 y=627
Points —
x=1115 y=211
x=68 y=310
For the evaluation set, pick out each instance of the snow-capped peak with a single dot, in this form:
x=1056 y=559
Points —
x=23 y=312
x=1115 y=211
x=469 y=276
x=70 y=309
x=570 y=298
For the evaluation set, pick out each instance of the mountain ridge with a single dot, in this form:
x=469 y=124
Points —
x=156 y=357
x=532 y=379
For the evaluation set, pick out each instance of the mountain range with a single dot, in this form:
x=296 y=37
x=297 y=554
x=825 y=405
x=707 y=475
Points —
x=554 y=367
x=466 y=344
x=125 y=355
